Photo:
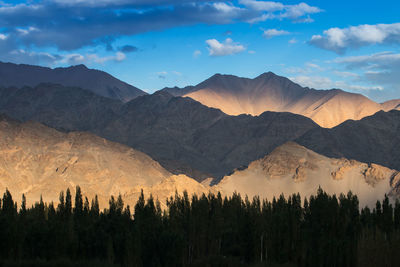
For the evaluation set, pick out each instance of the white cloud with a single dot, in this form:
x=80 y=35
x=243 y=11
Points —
x=274 y=32
x=346 y=74
x=313 y=65
x=32 y=57
x=338 y=40
x=228 y=47
x=3 y=36
x=263 y=5
x=226 y=8
x=384 y=60
x=296 y=13
x=263 y=17
x=307 y=19
x=74 y=59
x=196 y=53
x=88 y=2
x=299 y=10
x=25 y=31
x=293 y=41
x=320 y=82
x=167 y=74
x=308 y=68
x=118 y=57
x=381 y=68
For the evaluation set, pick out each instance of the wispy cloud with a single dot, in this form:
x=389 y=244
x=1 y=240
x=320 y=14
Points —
x=381 y=68
x=268 y=6
x=274 y=32
x=339 y=40
x=299 y=13
x=196 y=53
x=44 y=58
x=321 y=82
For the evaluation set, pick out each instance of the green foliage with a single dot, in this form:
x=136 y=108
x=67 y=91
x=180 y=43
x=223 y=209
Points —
x=205 y=230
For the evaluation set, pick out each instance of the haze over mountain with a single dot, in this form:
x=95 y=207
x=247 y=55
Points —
x=182 y=134
x=39 y=161
x=99 y=82
x=292 y=168
x=269 y=92
x=373 y=139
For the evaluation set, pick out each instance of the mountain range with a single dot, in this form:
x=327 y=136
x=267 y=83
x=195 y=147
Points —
x=269 y=92
x=182 y=134
x=40 y=162
x=263 y=136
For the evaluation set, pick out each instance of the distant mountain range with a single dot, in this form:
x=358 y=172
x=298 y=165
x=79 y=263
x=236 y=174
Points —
x=99 y=82
x=270 y=92
x=231 y=94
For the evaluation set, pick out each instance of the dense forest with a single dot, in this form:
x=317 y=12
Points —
x=206 y=230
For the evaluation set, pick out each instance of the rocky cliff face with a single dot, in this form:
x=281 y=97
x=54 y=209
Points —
x=292 y=168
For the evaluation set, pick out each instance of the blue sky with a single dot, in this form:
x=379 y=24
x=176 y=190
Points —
x=352 y=45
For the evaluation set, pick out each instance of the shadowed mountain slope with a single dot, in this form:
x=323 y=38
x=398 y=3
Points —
x=181 y=133
x=373 y=139
x=99 y=82
x=64 y=108
x=269 y=92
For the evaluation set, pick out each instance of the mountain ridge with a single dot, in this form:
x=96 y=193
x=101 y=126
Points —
x=180 y=133
x=270 y=92
x=185 y=136
x=97 y=81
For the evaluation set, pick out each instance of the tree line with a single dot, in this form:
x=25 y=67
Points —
x=206 y=230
